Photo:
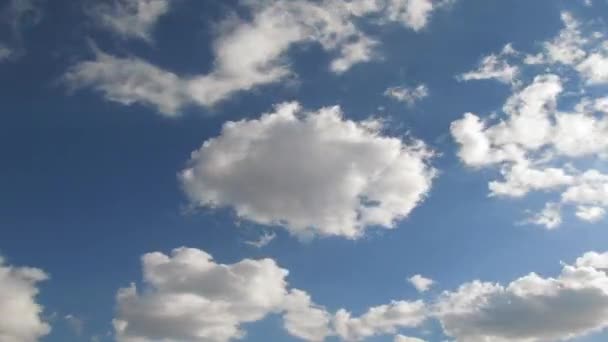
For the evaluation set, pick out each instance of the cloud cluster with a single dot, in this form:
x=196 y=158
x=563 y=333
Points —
x=531 y=308
x=190 y=297
x=538 y=145
x=315 y=173
x=20 y=314
x=248 y=52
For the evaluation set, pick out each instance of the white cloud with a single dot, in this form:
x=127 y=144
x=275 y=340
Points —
x=129 y=18
x=263 y=240
x=304 y=319
x=531 y=308
x=189 y=297
x=130 y=80
x=594 y=260
x=315 y=173
x=401 y=338
x=494 y=67
x=384 y=319
x=408 y=95
x=20 y=314
x=550 y=216
x=571 y=47
x=591 y=189
x=590 y=214
x=520 y=179
x=565 y=48
x=412 y=13
x=595 y=68
x=536 y=145
x=248 y=52
x=421 y=283
x=361 y=50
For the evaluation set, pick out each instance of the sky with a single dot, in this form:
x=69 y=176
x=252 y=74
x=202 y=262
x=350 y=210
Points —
x=304 y=170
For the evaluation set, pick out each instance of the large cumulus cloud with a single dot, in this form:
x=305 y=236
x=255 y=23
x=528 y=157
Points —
x=315 y=173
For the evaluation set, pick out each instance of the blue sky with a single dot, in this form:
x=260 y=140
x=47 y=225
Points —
x=135 y=127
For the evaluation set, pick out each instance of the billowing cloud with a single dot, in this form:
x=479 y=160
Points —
x=408 y=95
x=531 y=308
x=188 y=297
x=193 y=298
x=539 y=146
x=129 y=18
x=248 y=52
x=421 y=283
x=314 y=173
x=20 y=314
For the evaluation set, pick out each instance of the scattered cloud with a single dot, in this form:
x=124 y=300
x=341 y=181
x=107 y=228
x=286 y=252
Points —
x=248 y=52
x=314 y=173
x=531 y=308
x=586 y=53
x=495 y=67
x=129 y=80
x=565 y=48
x=21 y=314
x=380 y=320
x=539 y=146
x=421 y=283
x=129 y=18
x=190 y=297
x=550 y=216
x=408 y=95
